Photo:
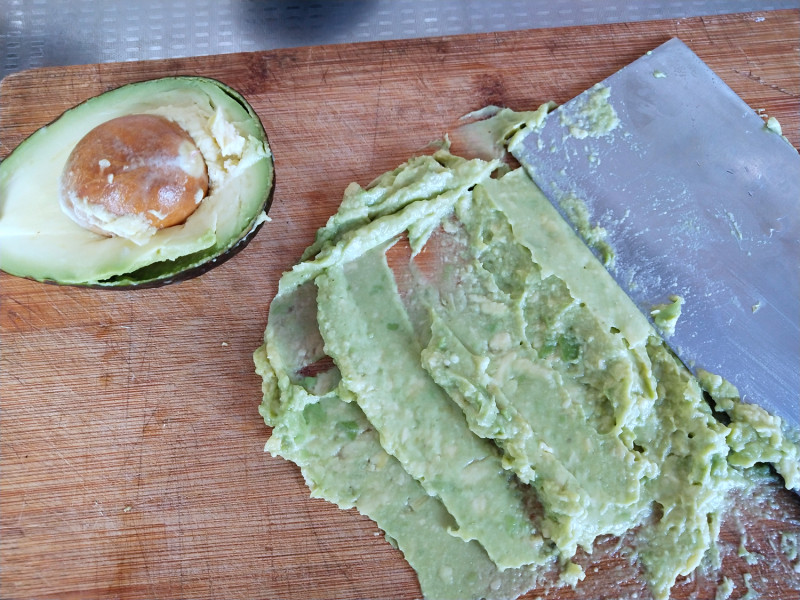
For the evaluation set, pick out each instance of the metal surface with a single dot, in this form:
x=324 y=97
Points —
x=698 y=199
x=38 y=33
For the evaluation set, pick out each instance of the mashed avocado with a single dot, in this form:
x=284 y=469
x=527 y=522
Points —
x=495 y=402
x=665 y=316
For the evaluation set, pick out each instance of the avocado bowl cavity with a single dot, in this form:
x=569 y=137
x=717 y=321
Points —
x=39 y=240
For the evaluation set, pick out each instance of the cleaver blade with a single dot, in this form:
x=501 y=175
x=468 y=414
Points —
x=699 y=199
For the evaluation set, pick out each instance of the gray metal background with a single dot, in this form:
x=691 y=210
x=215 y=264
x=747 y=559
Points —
x=37 y=33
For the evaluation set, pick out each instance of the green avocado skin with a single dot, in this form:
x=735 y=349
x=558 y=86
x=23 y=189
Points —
x=38 y=241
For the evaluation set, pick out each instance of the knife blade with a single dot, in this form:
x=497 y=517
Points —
x=698 y=198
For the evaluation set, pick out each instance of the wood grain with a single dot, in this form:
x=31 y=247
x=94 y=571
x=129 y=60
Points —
x=131 y=450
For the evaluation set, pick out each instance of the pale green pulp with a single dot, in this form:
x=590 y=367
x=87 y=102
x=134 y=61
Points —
x=502 y=369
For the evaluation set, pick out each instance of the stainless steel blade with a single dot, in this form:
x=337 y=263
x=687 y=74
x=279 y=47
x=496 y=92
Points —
x=699 y=199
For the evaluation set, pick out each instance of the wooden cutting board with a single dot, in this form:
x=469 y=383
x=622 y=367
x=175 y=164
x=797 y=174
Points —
x=132 y=462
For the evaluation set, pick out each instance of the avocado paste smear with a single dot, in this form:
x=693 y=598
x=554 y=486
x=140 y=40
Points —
x=497 y=402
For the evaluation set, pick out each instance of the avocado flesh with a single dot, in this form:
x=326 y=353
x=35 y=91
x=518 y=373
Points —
x=39 y=241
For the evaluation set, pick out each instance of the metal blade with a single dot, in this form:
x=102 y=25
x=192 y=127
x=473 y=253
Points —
x=699 y=199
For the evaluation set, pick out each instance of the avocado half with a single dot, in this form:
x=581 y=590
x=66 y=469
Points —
x=39 y=241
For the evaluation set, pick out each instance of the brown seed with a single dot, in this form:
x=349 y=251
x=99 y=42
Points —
x=139 y=165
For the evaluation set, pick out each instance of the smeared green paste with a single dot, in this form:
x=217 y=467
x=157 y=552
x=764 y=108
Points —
x=789 y=545
x=754 y=436
x=724 y=589
x=342 y=460
x=665 y=316
x=498 y=402
x=750 y=594
x=774 y=126
x=594 y=236
x=592 y=115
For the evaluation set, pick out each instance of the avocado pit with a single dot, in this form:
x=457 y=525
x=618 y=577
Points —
x=132 y=176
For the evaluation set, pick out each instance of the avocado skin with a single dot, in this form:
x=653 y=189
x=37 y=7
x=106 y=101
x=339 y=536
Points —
x=165 y=272
x=192 y=272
